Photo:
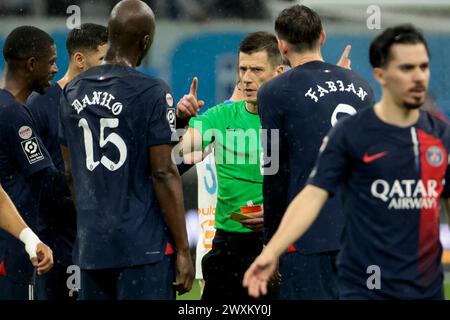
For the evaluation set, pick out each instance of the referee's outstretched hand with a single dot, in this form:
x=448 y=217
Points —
x=189 y=106
x=345 y=61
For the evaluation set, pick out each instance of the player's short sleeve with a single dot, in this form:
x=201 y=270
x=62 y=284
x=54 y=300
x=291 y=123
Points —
x=206 y=123
x=19 y=136
x=161 y=115
x=332 y=161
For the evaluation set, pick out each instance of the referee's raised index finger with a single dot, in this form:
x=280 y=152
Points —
x=194 y=86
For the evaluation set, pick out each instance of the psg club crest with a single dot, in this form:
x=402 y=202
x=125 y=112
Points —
x=434 y=156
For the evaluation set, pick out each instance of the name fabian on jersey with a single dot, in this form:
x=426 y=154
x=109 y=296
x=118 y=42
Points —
x=407 y=194
x=334 y=86
x=98 y=98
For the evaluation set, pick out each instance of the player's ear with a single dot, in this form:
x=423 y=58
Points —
x=79 y=59
x=146 y=43
x=378 y=74
x=280 y=69
x=282 y=46
x=323 y=37
x=30 y=64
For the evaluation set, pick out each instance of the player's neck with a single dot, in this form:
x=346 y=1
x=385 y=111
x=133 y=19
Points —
x=296 y=59
x=396 y=115
x=115 y=56
x=71 y=73
x=252 y=108
x=17 y=85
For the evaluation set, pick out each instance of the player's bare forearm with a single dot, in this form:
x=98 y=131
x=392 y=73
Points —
x=299 y=216
x=10 y=219
x=68 y=169
x=169 y=191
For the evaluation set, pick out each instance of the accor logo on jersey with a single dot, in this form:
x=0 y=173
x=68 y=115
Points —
x=407 y=194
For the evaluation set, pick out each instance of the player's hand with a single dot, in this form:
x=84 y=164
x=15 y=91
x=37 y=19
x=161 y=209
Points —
x=185 y=272
x=189 y=106
x=259 y=274
x=256 y=223
x=44 y=259
x=345 y=61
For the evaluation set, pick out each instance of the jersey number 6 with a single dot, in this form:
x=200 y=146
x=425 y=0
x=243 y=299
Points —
x=342 y=108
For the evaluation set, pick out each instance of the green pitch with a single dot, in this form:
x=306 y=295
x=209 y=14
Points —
x=194 y=294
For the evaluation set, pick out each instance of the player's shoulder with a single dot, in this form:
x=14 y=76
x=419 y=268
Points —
x=277 y=84
x=8 y=104
x=356 y=122
x=119 y=73
x=36 y=99
x=433 y=125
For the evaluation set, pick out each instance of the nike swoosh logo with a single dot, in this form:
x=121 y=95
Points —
x=372 y=158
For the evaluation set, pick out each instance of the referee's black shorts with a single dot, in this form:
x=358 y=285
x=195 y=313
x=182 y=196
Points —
x=225 y=264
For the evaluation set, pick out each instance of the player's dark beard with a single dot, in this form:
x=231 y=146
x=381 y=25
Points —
x=418 y=103
x=412 y=106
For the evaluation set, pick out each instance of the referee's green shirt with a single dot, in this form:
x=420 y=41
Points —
x=236 y=136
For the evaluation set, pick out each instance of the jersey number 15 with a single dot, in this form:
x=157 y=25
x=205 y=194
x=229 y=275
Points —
x=113 y=138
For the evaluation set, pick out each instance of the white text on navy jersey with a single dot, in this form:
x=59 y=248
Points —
x=98 y=98
x=407 y=194
x=315 y=93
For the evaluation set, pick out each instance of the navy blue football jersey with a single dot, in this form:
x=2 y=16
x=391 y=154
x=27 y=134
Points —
x=45 y=111
x=22 y=155
x=392 y=179
x=110 y=116
x=57 y=211
x=303 y=104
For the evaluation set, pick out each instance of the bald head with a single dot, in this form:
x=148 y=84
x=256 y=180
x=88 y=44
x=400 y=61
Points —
x=131 y=26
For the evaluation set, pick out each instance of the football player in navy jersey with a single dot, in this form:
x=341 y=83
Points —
x=86 y=47
x=25 y=165
x=302 y=105
x=391 y=163
x=116 y=131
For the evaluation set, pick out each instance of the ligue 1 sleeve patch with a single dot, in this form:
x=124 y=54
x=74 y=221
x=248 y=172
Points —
x=172 y=118
x=32 y=150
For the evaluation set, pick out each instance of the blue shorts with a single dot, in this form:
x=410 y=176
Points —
x=145 y=282
x=309 y=277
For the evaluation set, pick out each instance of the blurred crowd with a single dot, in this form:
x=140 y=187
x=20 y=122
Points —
x=196 y=10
